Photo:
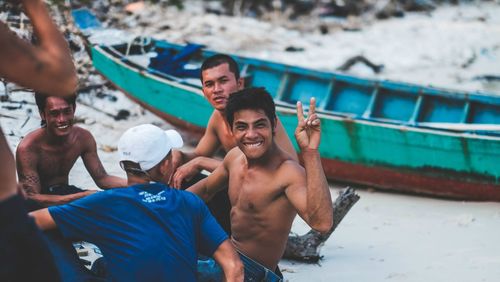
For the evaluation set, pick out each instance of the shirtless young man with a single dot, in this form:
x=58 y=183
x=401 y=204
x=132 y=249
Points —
x=46 y=155
x=220 y=77
x=267 y=187
x=35 y=67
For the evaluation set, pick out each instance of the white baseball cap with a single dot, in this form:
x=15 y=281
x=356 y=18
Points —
x=147 y=145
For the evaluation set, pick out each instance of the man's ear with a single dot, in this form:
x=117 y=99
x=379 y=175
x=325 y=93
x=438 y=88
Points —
x=240 y=83
x=203 y=91
x=42 y=114
x=165 y=165
x=43 y=120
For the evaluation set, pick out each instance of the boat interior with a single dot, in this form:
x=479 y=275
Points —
x=337 y=94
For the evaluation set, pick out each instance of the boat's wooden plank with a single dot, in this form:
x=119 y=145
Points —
x=465 y=113
x=373 y=100
x=461 y=126
x=323 y=104
x=418 y=106
x=280 y=93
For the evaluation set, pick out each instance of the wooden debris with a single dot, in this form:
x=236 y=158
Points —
x=108 y=148
x=354 y=60
x=306 y=247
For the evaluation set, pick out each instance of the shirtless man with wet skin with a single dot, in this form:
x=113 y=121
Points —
x=267 y=187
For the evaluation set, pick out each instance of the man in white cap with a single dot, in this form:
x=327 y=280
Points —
x=147 y=231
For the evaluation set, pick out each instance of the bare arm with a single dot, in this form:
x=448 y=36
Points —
x=208 y=187
x=198 y=160
x=43 y=219
x=94 y=166
x=312 y=199
x=229 y=261
x=186 y=171
x=46 y=68
x=209 y=142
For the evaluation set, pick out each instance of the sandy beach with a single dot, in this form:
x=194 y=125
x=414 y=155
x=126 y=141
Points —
x=385 y=236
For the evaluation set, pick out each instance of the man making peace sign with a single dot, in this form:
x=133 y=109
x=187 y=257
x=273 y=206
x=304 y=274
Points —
x=267 y=188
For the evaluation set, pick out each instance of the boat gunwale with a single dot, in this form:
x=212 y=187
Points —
x=288 y=108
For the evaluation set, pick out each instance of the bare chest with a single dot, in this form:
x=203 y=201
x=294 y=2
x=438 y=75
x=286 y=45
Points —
x=56 y=161
x=254 y=191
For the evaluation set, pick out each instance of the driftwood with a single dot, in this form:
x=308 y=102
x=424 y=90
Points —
x=306 y=247
x=354 y=60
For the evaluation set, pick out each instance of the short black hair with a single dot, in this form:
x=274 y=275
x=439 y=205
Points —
x=217 y=60
x=41 y=101
x=254 y=98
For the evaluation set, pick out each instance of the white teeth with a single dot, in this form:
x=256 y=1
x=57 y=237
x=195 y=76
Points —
x=254 y=144
x=63 y=126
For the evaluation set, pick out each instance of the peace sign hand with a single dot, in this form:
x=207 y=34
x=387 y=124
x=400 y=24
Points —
x=308 y=131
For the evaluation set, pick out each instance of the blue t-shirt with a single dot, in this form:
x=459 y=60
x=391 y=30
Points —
x=146 y=232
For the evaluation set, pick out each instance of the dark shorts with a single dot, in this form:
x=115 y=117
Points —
x=61 y=189
x=210 y=271
x=58 y=189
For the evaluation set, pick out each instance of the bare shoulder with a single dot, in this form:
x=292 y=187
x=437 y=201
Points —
x=291 y=171
x=31 y=142
x=83 y=133
x=291 y=165
x=214 y=119
x=83 y=139
x=233 y=154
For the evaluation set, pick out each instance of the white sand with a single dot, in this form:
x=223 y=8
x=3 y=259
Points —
x=419 y=48
x=385 y=237
x=388 y=237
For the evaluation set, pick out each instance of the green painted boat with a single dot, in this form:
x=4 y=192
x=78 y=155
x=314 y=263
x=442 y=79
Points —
x=383 y=134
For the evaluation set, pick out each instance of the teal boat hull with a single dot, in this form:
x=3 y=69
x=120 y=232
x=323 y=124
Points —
x=416 y=149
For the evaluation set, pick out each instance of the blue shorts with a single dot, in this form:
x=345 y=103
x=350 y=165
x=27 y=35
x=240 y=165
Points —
x=210 y=271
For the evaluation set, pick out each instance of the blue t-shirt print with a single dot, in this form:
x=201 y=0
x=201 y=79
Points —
x=147 y=232
x=152 y=198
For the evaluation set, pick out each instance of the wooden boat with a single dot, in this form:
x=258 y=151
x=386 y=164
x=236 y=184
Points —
x=384 y=134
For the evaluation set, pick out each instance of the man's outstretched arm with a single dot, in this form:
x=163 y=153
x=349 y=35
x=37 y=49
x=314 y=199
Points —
x=48 y=67
x=187 y=165
x=311 y=196
x=43 y=219
x=94 y=165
